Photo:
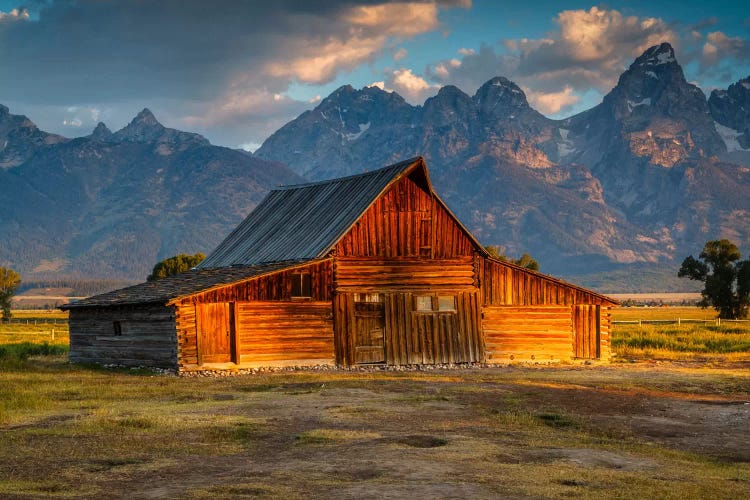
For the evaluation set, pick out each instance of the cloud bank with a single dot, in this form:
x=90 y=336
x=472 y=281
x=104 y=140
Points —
x=222 y=61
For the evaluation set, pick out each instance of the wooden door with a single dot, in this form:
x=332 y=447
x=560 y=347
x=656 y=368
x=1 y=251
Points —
x=438 y=334
x=214 y=333
x=586 y=331
x=369 y=335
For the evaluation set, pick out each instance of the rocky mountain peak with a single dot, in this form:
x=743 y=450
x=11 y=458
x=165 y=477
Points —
x=143 y=128
x=343 y=92
x=500 y=98
x=448 y=97
x=101 y=133
x=731 y=107
x=4 y=111
x=656 y=55
x=664 y=117
x=450 y=105
x=651 y=74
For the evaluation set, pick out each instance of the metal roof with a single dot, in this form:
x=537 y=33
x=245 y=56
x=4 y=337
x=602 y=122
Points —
x=304 y=221
x=164 y=290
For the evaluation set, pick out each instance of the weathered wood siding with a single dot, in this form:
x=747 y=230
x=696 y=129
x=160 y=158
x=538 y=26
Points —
x=358 y=274
x=591 y=326
x=529 y=317
x=412 y=336
x=605 y=328
x=147 y=336
x=276 y=286
x=406 y=245
x=285 y=333
x=407 y=221
x=528 y=333
x=507 y=285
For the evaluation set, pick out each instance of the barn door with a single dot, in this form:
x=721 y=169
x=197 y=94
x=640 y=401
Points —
x=214 y=333
x=369 y=324
x=586 y=331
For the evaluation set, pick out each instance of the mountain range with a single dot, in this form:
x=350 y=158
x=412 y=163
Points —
x=112 y=204
x=639 y=181
x=644 y=178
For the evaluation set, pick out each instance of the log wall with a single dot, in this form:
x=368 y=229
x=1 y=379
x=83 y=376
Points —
x=407 y=221
x=591 y=332
x=507 y=285
x=147 y=336
x=358 y=274
x=416 y=337
x=528 y=333
x=276 y=286
x=296 y=333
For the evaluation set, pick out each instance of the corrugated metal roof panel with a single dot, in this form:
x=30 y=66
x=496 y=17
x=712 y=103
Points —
x=303 y=221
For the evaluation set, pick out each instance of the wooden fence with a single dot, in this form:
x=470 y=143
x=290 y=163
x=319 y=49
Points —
x=51 y=334
x=678 y=321
x=34 y=321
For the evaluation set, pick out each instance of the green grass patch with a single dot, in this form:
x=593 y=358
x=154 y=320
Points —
x=27 y=349
x=674 y=342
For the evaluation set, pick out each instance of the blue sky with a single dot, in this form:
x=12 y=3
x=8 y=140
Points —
x=235 y=71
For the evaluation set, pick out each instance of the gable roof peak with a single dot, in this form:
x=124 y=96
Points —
x=305 y=221
x=396 y=167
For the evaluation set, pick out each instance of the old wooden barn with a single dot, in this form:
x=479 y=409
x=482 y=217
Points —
x=368 y=269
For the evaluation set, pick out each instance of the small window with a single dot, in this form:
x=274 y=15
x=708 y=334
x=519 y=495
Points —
x=447 y=303
x=424 y=303
x=368 y=297
x=117 y=327
x=301 y=285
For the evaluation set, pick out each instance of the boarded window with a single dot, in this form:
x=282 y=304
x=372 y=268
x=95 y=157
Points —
x=301 y=285
x=424 y=303
x=446 y=303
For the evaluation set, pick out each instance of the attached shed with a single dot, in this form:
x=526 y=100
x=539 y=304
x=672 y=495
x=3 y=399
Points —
x=368 y=269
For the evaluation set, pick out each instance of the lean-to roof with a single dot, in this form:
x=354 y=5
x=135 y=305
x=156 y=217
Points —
x=163 y=290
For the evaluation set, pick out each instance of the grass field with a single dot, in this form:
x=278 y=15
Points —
x=627 y=430
x=708 y=342
x=656 y=313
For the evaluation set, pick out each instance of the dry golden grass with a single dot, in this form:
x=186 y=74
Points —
x=634 y=431
x=662 y=313
x=39 y=313
x=707 y=341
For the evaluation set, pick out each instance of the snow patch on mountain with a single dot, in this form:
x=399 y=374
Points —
x=729 y=136
x=565 y=147
x=642 y=102
x=362 y=129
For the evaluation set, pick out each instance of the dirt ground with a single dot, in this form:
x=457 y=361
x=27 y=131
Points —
x=625 y=431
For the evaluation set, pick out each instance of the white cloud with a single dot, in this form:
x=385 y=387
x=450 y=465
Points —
x=380 y=85
x=74 y=122
x=411 y=87
x=588 y=50
x=405 y=19
x=720 y=46
x=225 y=78
x=400 y=53
x=14 y=15
x=249 y=146
x=368 y=29
x=552 y=103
